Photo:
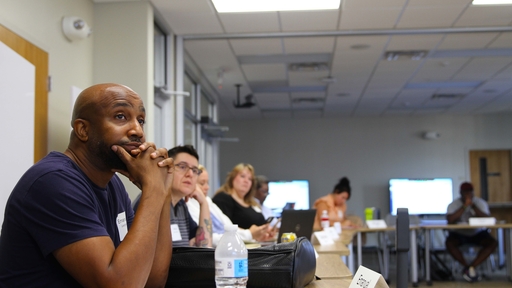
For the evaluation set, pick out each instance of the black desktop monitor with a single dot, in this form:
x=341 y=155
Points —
x=287 y=194
x=422 y=196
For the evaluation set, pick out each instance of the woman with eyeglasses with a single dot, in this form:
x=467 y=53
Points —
x=236 y=199
x=219 y=219
x=186 y=232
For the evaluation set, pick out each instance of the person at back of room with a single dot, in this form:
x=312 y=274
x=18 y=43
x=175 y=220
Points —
x=335 y=203
x=236 y=199
x=459 y=211
x=219 y=219
x=261 y=195
x=69 y=221
x=186 y=232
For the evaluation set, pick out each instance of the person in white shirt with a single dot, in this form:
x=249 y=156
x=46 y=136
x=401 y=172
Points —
x=459 y=211
x=261 y=195
x=219 y=219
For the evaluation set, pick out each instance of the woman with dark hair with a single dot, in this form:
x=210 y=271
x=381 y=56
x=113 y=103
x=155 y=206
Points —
x=335 y=204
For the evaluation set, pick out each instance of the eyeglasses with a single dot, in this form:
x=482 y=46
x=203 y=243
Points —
x=183 y=168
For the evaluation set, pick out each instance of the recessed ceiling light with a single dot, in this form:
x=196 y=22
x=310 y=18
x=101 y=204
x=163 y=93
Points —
x=492 y=2
x=231 y=6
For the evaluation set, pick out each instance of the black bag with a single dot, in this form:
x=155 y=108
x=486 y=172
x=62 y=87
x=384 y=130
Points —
x=284 y=265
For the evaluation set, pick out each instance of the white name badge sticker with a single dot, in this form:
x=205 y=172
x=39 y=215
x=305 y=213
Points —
x=175 y=231
x=366 y=278
x=337 y=226
x=122 y=226
x=332 y=232
x=374 y=224
x=323 y=238
x=482 y=221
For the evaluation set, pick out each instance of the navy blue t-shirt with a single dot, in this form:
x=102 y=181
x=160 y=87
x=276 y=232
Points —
x=53 y=205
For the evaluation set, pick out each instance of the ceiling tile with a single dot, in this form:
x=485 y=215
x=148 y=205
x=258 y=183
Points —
x=307 y=114
x=369 y=18
x=250 y=22
x=262 y=72
x=277 y=114
x=431 y=13
x=485 y=16
x=189 y=17
x=267 y=46
x=483 y=68
x=467 y=41
x=303 y=45
x=414 y=42
x=273 y=100
x=504 y=40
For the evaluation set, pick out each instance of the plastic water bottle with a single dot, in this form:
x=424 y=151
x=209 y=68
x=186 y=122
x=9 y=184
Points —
x=324 y=220
x=231 y=266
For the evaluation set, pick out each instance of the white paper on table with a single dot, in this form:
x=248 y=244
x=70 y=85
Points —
x=374 y=224
x=323 y=238
x=482 y=221
x=366 y=278
x=332 y=232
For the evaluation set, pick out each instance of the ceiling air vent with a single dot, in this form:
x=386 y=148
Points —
x=447 y=96
x=309 y=67
x=405 y=55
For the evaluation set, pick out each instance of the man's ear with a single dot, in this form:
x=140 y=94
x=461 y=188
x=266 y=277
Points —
x=81 y=129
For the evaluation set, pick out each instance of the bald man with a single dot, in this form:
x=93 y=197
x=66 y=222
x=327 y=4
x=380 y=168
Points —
x=69 y=221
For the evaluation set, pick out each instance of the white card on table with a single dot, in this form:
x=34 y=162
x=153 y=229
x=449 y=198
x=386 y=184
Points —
x=323 y=238
x=482 y=221
x=337 y=226
x=366 y=278
x=373 y=224
x=332 y=232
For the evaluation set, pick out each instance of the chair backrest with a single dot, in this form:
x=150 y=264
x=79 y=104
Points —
x=391 y=222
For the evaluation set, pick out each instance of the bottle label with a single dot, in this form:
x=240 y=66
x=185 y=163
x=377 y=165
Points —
x=229 y=267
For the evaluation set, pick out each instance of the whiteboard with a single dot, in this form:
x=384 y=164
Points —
x=17 y=95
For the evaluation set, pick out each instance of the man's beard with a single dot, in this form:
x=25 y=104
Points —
x=103 y=152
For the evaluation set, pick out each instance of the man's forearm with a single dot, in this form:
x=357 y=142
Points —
x=163 y=252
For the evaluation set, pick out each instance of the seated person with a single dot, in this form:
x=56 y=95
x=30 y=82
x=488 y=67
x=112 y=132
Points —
x=459 y=211
x=261 y=195
x=69 y=221
x=218 y=218
x=336 y=205
x=236 y=199
x=186 y=232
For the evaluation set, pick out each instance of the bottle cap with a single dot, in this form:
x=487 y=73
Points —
x=230 y=227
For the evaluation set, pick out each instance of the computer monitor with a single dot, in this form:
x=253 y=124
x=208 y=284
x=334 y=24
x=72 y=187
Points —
x=292 y=194
x=422 y=196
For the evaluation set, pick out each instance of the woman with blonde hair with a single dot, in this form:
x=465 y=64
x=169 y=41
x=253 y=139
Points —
x=236 y=197
x=219 y=219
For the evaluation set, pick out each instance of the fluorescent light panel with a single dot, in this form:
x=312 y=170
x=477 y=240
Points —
x=231 y=6
x=492 y=2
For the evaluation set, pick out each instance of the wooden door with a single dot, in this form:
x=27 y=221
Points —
x=497 y=175
x=39 y=59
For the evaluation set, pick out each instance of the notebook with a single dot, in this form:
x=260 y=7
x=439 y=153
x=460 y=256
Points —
x=299 y=222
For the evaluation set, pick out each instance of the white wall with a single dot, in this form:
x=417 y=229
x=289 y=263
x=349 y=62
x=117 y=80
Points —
x=368 y=151
x=120 y=50
x=123 y=53
x=70 y=63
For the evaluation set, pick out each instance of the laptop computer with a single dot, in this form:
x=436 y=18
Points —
x=299 y=222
